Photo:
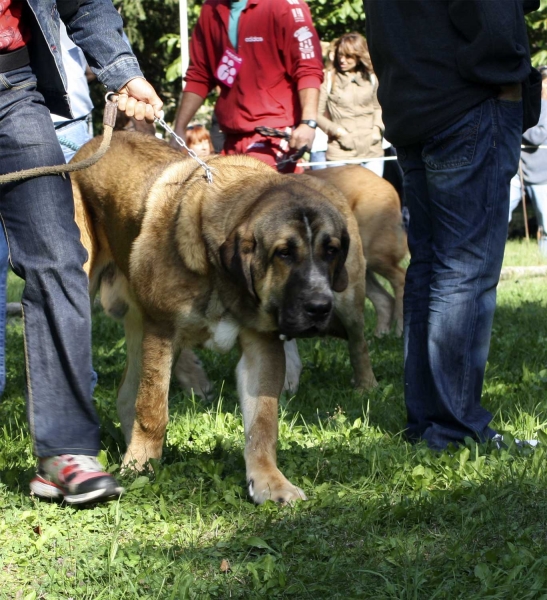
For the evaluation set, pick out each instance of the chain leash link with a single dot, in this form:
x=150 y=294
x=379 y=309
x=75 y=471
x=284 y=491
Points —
x=191 y=153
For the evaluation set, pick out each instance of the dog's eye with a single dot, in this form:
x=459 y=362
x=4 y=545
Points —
x=332 y=251
x=284 y=253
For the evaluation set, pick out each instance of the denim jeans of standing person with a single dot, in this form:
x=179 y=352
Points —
x=537 y=194
x=457 y=192
x=515 y=195
x=4 y=256
x=73 y=135
x=46 y=253
x=319 y=157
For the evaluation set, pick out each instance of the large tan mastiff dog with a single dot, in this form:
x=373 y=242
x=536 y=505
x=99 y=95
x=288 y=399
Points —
x=249 y=258
x=376 y=206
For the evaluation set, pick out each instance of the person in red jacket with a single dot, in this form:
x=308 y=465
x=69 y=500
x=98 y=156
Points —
x=266 y=57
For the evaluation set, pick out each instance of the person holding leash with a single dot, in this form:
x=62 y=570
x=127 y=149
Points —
x=456 y=91
x=266 y=57
x=43 y=239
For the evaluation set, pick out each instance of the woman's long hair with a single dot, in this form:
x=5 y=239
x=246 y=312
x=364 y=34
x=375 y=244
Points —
x=354 y=44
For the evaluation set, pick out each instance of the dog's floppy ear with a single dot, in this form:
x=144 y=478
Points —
x=190 y=237
x=236 y=255
x=340 y=280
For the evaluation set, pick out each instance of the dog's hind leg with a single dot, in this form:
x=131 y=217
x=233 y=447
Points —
x=189 y=372
x=129 y=385
x=151 y=407
x=383 y=303
x=350 y=313
x=260 y=374
x=395 y=274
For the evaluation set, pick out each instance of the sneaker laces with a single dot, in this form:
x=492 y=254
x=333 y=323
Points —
x=84 y=463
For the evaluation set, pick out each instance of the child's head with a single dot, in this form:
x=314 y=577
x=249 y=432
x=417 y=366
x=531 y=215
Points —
x=198 y=139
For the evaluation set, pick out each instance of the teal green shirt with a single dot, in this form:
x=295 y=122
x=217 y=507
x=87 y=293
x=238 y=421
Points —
x=235 y=12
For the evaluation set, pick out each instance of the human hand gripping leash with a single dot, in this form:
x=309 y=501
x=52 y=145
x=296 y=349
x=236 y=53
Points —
x=109 y=121
x=279 y=133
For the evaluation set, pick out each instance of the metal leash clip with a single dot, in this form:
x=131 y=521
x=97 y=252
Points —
x=191 y=153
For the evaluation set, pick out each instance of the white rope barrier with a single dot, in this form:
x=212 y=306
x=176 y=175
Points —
x=358 y=161
x=350 y=161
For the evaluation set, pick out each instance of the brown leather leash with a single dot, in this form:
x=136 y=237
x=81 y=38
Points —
x=109 y=120
x=279 y=133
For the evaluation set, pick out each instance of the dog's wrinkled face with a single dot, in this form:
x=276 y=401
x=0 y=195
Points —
x=290 y=254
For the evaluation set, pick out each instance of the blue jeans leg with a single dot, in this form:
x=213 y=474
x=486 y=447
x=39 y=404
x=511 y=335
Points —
x=4 y=254
x=320 y=156
x=73 y=136
x=46 y=252
x=457 y=192
x=376 y=166
x=538 y=195
x=515 y=195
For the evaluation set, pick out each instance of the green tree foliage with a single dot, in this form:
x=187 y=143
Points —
x=537 y=31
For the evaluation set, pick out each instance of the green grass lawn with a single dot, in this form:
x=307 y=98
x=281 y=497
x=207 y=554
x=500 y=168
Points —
x=384 y=520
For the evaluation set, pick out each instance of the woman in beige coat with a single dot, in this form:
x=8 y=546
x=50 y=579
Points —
x=349 y=112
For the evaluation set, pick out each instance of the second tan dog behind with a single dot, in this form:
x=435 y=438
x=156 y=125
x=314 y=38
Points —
x=184 y=263
x=376 y=206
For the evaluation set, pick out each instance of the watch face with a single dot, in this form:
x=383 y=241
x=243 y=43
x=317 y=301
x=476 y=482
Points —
x=310 y=123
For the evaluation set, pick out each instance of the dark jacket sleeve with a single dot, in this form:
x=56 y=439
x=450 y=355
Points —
x=530 y=5
x=493 y=44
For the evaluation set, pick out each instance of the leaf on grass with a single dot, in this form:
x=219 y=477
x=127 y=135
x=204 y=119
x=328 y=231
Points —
x=464 y=457
x=482 y=572
x=163 y=509
x=37 y=530
x=225 y=566
x=139 y=482
x=257 y=542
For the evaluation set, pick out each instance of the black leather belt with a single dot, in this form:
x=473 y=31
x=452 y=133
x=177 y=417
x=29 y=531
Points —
x=14 y=59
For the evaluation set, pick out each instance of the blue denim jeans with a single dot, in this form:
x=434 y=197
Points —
x=515 y=195
x=538 y=196
x=320 y=156
x=457 y=193
x=73 y=135
x=45 y=251
x=3 y=288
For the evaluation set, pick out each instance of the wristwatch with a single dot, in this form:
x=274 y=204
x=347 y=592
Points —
x=309 y=122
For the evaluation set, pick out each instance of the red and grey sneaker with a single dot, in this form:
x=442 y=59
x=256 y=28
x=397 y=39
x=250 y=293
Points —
x=75 y=478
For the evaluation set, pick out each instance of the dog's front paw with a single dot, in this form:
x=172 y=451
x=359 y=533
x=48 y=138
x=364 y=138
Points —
x=274 y=487
x=137 y=456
